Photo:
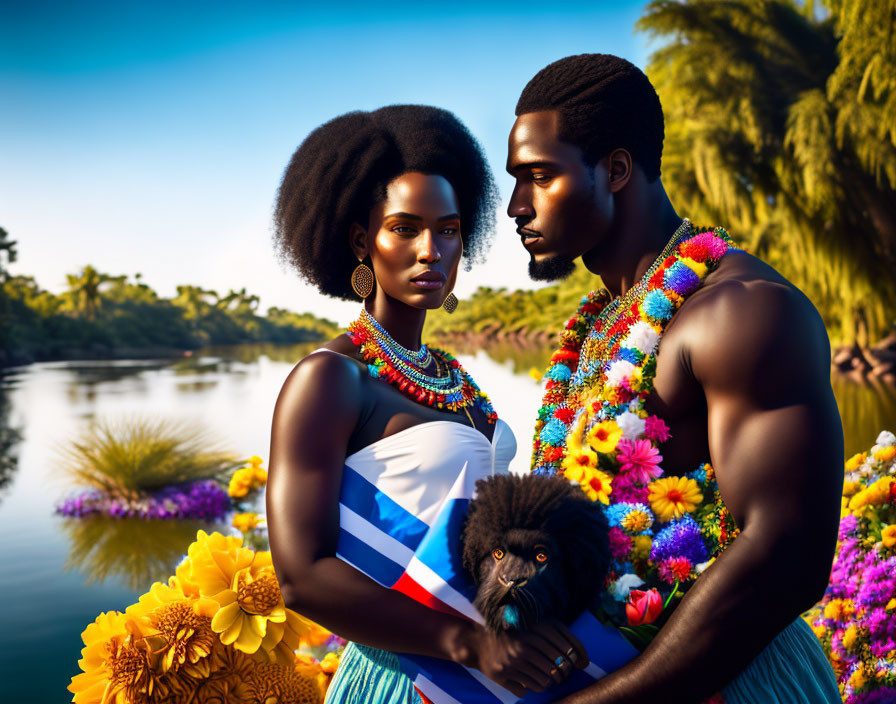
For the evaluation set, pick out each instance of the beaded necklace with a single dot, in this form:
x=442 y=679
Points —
x=593 y=339
x=405 y=369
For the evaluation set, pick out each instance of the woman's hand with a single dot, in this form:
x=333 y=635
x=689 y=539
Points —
x=529 y=661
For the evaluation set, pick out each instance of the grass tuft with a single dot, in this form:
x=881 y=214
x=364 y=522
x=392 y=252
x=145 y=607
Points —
x=131 y=458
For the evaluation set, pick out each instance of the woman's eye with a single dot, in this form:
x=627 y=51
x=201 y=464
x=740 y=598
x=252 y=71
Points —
x=403 y=230
x=449 y=231
x=498 y=553
x=540 y=177
x=541 y=557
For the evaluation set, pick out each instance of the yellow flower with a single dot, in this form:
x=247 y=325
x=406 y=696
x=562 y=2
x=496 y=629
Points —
x=839 y=609
x=185 y=637
x=276 y=683
x=636 y=521
x=116 y=663
x=849 y=636
x=820 y=631
x=888 y=536
x=672 y=497
x=891 y=604
x=316 y=635
x=885 y=454
x=856 y=461
x=875 y=495
x=241 y=482
x=698 y=268
x=581 y=457
x=244 y=522
x=641 y=545
x=595 y=483
x=850 y=488
x=251 y=613
x=604 y=436
x=858 y=678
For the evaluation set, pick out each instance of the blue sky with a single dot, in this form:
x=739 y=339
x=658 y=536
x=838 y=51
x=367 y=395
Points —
x=151 y=138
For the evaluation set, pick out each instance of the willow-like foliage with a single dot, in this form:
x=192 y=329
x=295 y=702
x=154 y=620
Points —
x=781 y=126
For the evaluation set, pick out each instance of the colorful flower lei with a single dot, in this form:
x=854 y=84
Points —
x=593 y=429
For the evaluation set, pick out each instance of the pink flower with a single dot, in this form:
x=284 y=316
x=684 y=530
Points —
x=620 y=544
x=656 y=429
x=643 y=607
x=639 y=459
x=675 y=569
x=624 y=489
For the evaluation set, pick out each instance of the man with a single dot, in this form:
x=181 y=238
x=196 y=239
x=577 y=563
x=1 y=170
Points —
x=742 y=381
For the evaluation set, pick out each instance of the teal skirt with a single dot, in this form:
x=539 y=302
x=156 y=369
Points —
x=370 y=676
x=792 y=669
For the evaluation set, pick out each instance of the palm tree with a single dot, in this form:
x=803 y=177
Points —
x=781 y=125
x=84 y=289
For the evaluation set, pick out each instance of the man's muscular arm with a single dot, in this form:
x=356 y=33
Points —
x=761 y=355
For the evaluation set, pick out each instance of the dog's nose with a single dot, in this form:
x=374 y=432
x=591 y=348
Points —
x=512 y=582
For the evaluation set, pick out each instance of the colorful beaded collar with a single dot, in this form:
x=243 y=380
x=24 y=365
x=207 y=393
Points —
x=451 y=388
x=608 y=342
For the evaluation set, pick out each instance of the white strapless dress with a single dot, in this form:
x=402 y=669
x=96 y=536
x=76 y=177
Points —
x=392 y=492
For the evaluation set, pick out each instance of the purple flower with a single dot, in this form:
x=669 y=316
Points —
x=680 y=538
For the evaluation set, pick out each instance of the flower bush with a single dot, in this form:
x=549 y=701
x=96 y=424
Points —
x=218 y=631
x=856 y=620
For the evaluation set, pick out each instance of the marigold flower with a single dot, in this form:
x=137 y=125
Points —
x=244 y=522
x=673 y=497
x=595 y=483
x=604 y=436
x=849 y=636
x=856 y=461
x=851 y=488
x=888 y=535
x=183 y=625
x=275 y=683
x=116 y=661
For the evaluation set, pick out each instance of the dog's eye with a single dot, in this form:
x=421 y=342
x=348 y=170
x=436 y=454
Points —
x=498 y=553
x=541 y=556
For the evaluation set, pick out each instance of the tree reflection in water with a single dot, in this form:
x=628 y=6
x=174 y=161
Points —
x=133 y=551
x=10 y=437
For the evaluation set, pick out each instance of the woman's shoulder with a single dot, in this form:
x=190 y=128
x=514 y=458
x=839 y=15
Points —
x=327 y=371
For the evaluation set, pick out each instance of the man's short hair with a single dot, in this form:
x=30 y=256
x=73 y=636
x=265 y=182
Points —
x=605 y=103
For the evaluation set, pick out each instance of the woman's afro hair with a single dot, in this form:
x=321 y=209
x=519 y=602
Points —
x=605 y=103
x=342 y=169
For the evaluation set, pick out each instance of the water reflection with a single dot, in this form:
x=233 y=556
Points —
x=10 y=437
x=133 y=551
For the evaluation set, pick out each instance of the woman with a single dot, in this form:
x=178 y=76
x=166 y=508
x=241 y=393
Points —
x=382 y=206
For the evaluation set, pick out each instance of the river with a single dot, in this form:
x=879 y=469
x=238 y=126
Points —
x=57 y=574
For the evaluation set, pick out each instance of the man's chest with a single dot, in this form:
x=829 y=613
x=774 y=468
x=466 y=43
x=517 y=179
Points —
x=678 y=399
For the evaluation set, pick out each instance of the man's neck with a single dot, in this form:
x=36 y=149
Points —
x=642 y=228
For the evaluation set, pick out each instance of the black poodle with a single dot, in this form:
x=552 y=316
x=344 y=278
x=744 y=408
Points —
x=536 y=547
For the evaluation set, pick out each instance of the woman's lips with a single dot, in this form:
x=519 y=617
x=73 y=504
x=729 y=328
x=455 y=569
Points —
x=429 y=280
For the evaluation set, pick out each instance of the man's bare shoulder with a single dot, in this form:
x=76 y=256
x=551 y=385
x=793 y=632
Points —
x=749 y=319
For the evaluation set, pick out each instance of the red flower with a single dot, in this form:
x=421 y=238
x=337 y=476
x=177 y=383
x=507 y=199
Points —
x=564 y=414
x=643 y=607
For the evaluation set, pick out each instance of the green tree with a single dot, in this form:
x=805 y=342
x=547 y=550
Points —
x=8 y=254
x=84 y=291
x=781 y=126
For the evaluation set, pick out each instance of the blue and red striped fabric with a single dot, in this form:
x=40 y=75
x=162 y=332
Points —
x=395 y=548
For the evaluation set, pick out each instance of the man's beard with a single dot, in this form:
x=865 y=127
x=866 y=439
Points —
x=551 y=269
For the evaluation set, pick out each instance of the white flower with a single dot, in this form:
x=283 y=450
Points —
x=886 y=438
x=621 y=587
x=642 y=336
x=632 y=426
x=699 y=569
x=619 y=370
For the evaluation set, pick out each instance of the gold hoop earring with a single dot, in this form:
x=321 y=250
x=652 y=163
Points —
x=450 y=303
x=362 y=280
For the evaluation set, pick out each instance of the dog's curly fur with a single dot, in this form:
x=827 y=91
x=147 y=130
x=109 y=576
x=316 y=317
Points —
x=524 y=516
